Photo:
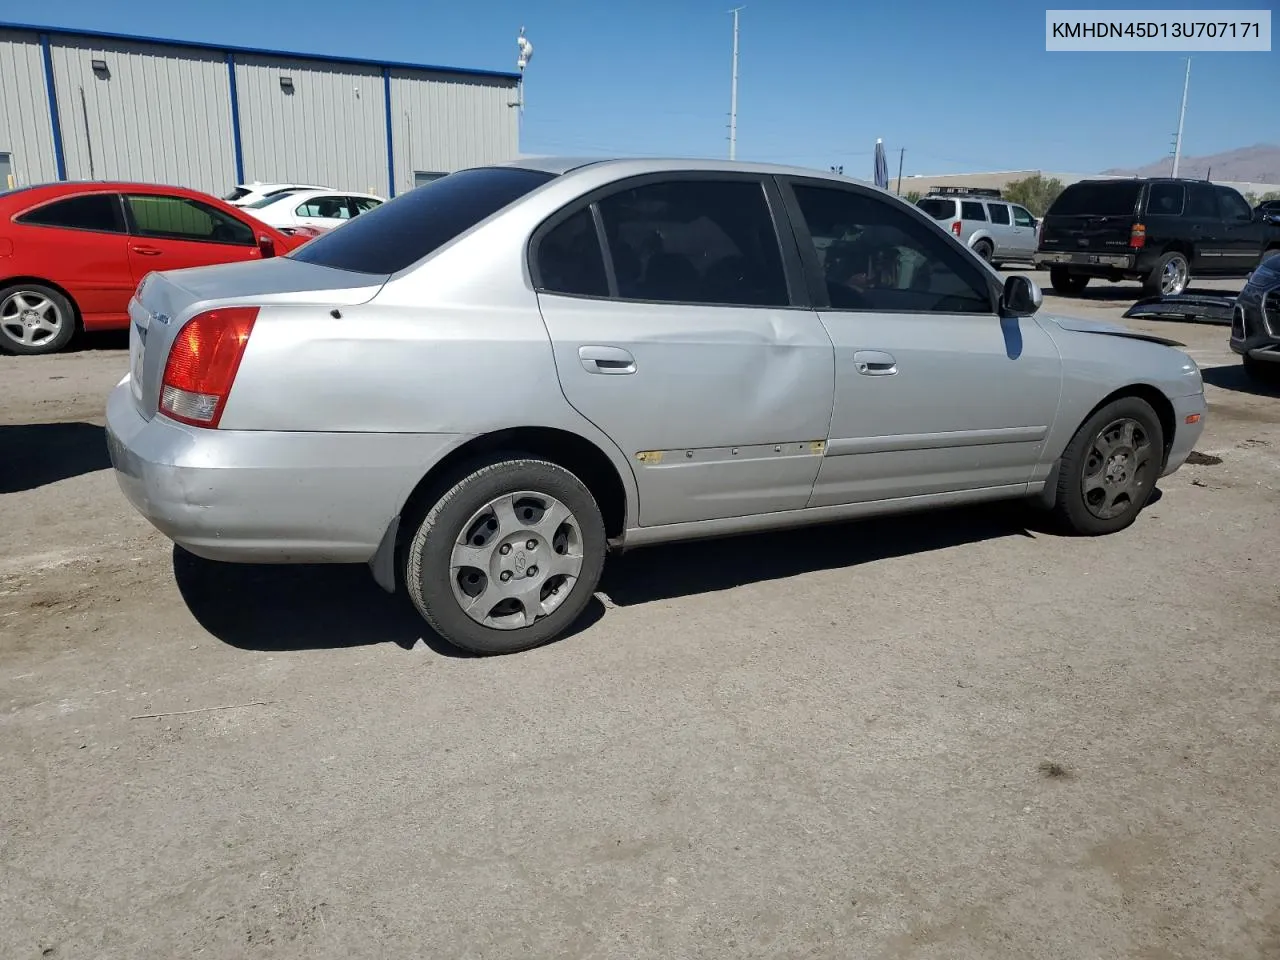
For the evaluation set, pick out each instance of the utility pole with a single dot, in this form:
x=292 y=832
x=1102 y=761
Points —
x=1177 y=143
x=733 y=92
x=901 y=153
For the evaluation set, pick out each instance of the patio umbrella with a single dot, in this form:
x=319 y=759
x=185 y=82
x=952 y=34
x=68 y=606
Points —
x=882 y=167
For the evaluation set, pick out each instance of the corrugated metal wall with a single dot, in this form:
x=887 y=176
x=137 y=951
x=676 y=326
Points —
x=26 y=132
x=331 y=130
x=442 y=123
x=157 y=114
x=161 y=113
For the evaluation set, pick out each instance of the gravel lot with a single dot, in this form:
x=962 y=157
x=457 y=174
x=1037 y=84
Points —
x=949 y=737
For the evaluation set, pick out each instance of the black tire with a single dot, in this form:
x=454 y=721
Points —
x=1262 y=372
x=983 y=249
x=1065 y=282
x=428 y=560
x=60 y=311
x=1071 y=511
x=1153 y=285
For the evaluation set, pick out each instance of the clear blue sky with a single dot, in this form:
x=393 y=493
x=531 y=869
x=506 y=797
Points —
x=961 y=87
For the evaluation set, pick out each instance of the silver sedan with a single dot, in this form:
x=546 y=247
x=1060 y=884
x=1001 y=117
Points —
x=483 y=386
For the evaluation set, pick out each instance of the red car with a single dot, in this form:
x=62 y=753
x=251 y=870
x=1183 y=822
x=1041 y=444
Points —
x=71 y=254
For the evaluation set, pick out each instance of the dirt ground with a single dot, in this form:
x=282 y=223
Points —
x=953 y=736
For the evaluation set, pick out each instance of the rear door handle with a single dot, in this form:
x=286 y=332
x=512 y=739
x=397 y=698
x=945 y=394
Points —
x=147 y=251
x=875 y=363
x=608 y=360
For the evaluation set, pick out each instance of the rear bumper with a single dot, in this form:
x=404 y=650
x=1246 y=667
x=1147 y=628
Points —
x=1102 y=262
x=263 y=496
x=1185 y=435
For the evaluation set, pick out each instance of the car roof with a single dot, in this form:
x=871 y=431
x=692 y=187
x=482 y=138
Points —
x=636 y=166
x=68 y=188
x=327 y=191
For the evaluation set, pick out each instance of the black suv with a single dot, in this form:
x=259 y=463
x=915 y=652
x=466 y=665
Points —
x=1159 y=231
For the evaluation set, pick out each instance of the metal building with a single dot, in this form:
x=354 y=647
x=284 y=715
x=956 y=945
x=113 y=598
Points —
x=82 y=105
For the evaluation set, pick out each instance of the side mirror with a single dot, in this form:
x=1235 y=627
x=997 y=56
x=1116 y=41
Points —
x=267 y=246
x=1021 y=297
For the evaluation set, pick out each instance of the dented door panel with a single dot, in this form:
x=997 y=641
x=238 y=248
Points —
x=723 y=411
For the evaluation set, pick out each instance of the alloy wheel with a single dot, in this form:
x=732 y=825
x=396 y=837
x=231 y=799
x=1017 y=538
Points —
x=30 y=318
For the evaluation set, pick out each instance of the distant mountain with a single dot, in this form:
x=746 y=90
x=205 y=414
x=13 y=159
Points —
x=1257 y=164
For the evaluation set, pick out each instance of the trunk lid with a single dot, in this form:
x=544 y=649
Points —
x=1092 y=217
x=165 y=301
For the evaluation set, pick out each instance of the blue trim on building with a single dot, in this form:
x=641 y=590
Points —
x=255 y=51
x=391 y=156
x=58 y=156
x=235 y=117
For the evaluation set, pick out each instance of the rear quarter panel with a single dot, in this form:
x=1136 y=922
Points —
x=455 y=345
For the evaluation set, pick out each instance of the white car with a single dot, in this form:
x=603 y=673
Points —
x=246 y=193
x=318 y=209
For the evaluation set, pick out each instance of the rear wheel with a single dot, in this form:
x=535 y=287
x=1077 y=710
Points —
x=1169 y=277
x=35 y=319
x=983 y=249
x=1110 y=468
x=1064 y=281
x=508 y=558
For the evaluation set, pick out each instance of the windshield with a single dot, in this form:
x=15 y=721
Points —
x=1097 y=200
x=938 y=209
x=395 y=234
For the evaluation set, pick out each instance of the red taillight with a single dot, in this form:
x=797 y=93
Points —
x=1138 y=236
x=202 y=365
x=955 y=228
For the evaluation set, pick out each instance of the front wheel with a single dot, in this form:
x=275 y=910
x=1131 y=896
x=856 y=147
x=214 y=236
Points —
x=508 y=558
x=1110 y=468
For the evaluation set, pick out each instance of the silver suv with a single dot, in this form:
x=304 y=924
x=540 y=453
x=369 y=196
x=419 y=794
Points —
x=994 y=229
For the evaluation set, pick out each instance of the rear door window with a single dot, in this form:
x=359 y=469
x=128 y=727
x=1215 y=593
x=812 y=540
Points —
x=695 y=241
x=938 y=209
x=999 y=213
x=569 y=258
x=1201 y=203
x=99 y=212
x=1097 y=200
x=1166 y=200
x=972 y=210
x=404 y=230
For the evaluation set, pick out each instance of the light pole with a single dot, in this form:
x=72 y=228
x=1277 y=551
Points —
x=733 y=92
x=1182 y=114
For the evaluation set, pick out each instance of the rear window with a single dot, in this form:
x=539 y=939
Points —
x=404 y=230
x=236 y=194
x=1097 y=200
x=938 y=209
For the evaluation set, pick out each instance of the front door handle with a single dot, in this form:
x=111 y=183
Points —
x=147 y=251
x=875 y=363
x=609 y=360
